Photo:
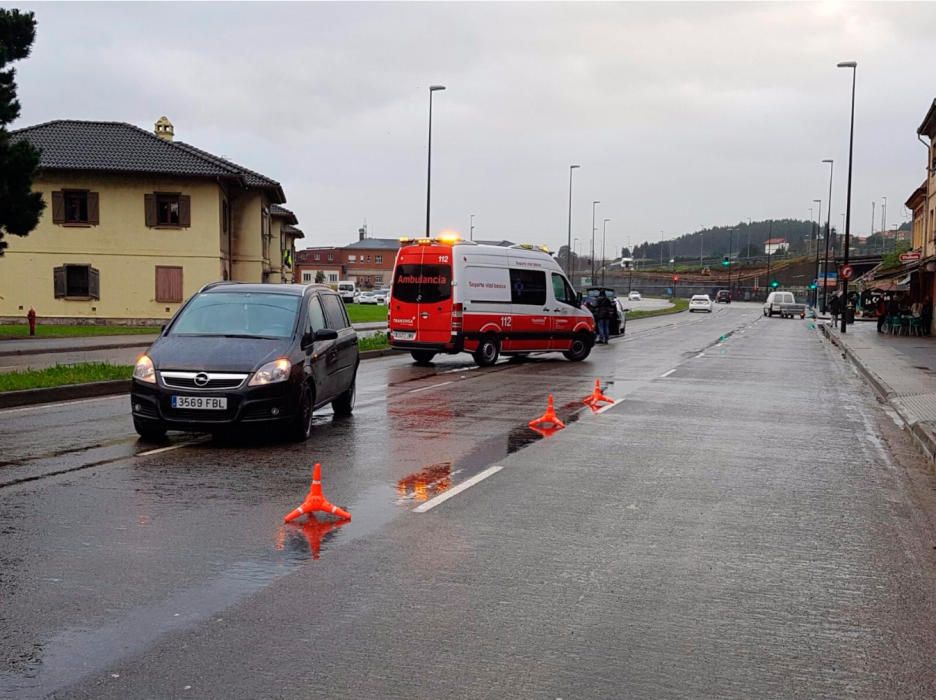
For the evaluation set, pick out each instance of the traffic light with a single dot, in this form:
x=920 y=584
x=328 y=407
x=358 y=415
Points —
x=774 y=284
x=813 y=285
x=725 y=262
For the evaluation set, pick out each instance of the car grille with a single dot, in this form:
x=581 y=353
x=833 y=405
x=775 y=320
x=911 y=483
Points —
x=211 y=381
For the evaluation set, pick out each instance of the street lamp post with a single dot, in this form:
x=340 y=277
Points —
x=604 y=264
x=569 y=239
x=828 y=235
x=661 y=250
x=471 y=228
x=594 y=206
x=818 y=229
x=572 y=259
x=884 y=222
x=851 y=144
x=432 y=89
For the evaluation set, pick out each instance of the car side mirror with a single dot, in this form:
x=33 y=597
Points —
x=325 y=334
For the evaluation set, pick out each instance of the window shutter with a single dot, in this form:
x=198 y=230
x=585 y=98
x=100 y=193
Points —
x=168 y=284
x=149 y=204
x=185 y=210
x=58 y=280
x=94 y=216
x=58 y=208
x=94 y=283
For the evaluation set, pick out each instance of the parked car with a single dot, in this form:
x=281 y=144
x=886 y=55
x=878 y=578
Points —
x=784 y=305
x=700 y=302
x=723 y=296
x=367 y=298
x=238 y=355
x=348 y=291
x=633 y=296
x=616 y=326
x=381 y=295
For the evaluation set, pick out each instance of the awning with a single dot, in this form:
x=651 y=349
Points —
x=893 y=284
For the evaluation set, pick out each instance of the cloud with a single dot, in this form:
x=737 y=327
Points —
x=681 y=114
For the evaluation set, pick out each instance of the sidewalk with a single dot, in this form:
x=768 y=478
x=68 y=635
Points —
x=43 y=346
x=901 y=369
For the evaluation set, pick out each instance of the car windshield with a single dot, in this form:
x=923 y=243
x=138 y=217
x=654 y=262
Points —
x=699 y=297
x=595 y=293
x=239 y=314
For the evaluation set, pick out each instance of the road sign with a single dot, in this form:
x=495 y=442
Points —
x=910 y=256
x=847 y=272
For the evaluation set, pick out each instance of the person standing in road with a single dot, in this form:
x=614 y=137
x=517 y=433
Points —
x=881 y=311
x=603 y=308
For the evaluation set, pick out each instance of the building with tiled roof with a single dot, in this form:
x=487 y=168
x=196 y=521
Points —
x=137 y=221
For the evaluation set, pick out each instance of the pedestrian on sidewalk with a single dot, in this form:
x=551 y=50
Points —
x=603 y=308
x=835 y=307
x=926 y=315
x=881 y=310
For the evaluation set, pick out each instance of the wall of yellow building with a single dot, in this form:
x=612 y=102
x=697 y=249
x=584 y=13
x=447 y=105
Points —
x=246 y=218
x=121 y=247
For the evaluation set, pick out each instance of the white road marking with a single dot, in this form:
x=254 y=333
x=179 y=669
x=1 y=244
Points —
x=460 y=369
x=701 y=354
x=466 y=484
x=605 y=408
x=666 y=374
x=177 y=446
x=49 y=406
x=427 y=388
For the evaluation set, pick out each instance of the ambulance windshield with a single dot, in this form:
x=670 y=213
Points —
x=428 y=284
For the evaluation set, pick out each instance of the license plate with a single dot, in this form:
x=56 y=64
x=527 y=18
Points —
x=404 y=335
x=201 y=403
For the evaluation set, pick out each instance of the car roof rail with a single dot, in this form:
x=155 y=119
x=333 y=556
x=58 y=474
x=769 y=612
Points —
x=219 y=283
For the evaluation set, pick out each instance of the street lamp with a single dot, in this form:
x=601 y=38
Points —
x=471 y=228
x=661 y=250
x=572 y=266
x=569 y=239
x=828 y=235
x=432 y=89
x=594 y=206
x=818 y=228
x=884 y=222
x=604 y=264
x=851 y=144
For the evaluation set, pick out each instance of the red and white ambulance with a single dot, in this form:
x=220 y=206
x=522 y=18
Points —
x=451 y=296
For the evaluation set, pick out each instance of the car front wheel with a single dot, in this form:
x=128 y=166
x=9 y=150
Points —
x=487 y=352
x=301 y=426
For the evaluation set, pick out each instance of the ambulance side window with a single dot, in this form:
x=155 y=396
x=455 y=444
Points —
x=561 y=290
x=528 y=287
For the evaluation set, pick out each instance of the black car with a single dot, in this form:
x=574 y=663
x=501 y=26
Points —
x=723 y=296
x=238 y=355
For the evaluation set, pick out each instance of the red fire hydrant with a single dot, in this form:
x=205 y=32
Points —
x=31 y=317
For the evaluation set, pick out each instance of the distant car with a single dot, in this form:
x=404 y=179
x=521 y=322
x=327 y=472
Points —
x=700 y=302
x=237 y=355
x=633 y=296
x=368 y=298
x=723 y=296
x=784 y=305
x=619 y=319
x=381 y=295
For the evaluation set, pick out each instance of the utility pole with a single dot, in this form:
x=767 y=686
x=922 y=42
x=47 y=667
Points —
x=769 y=251
x=884 y=222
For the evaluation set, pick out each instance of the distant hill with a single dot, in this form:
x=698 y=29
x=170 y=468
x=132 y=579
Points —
x=714 y=242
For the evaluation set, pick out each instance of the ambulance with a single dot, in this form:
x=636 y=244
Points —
x=451 y=296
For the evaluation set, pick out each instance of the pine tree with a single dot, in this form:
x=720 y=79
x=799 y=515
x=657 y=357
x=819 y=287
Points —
x=20 y=207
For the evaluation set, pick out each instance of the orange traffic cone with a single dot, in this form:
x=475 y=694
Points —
x=545 y=432
x=315 y=501
x=547 y=419
x=596 y=397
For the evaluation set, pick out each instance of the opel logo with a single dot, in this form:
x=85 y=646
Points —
x=201 y=379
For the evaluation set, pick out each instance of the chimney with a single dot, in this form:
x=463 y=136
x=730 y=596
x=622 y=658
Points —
x=362 y=232
x=164 y=129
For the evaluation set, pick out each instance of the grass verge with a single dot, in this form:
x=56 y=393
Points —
x=16 y=330
x=678 y=305
x=61 y=375
x=373 y=342
x=366 y=313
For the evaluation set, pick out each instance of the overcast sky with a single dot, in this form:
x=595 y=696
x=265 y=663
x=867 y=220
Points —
x=681 y=115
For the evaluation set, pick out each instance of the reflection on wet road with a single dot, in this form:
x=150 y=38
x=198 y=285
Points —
x=110 y=543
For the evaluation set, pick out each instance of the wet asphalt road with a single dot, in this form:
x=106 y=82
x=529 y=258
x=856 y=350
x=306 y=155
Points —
x=720 y=531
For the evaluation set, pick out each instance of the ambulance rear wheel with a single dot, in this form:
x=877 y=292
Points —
x=422 y=357
x=487 y=352
x=580 y=348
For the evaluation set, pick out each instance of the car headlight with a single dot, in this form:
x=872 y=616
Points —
x=271 y=372
x=144 y=370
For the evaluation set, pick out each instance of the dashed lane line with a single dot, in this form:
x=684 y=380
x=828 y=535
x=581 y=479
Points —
x=427 y=388
x=466 y=484
x=667 y=373
x=177 y=446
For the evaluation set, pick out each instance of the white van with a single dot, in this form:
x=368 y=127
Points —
x=347 y=290
x=453 y=296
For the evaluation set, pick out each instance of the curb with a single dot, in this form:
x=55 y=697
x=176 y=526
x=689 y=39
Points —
x=91 y=348
x=68 y=392
x=921 y=434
